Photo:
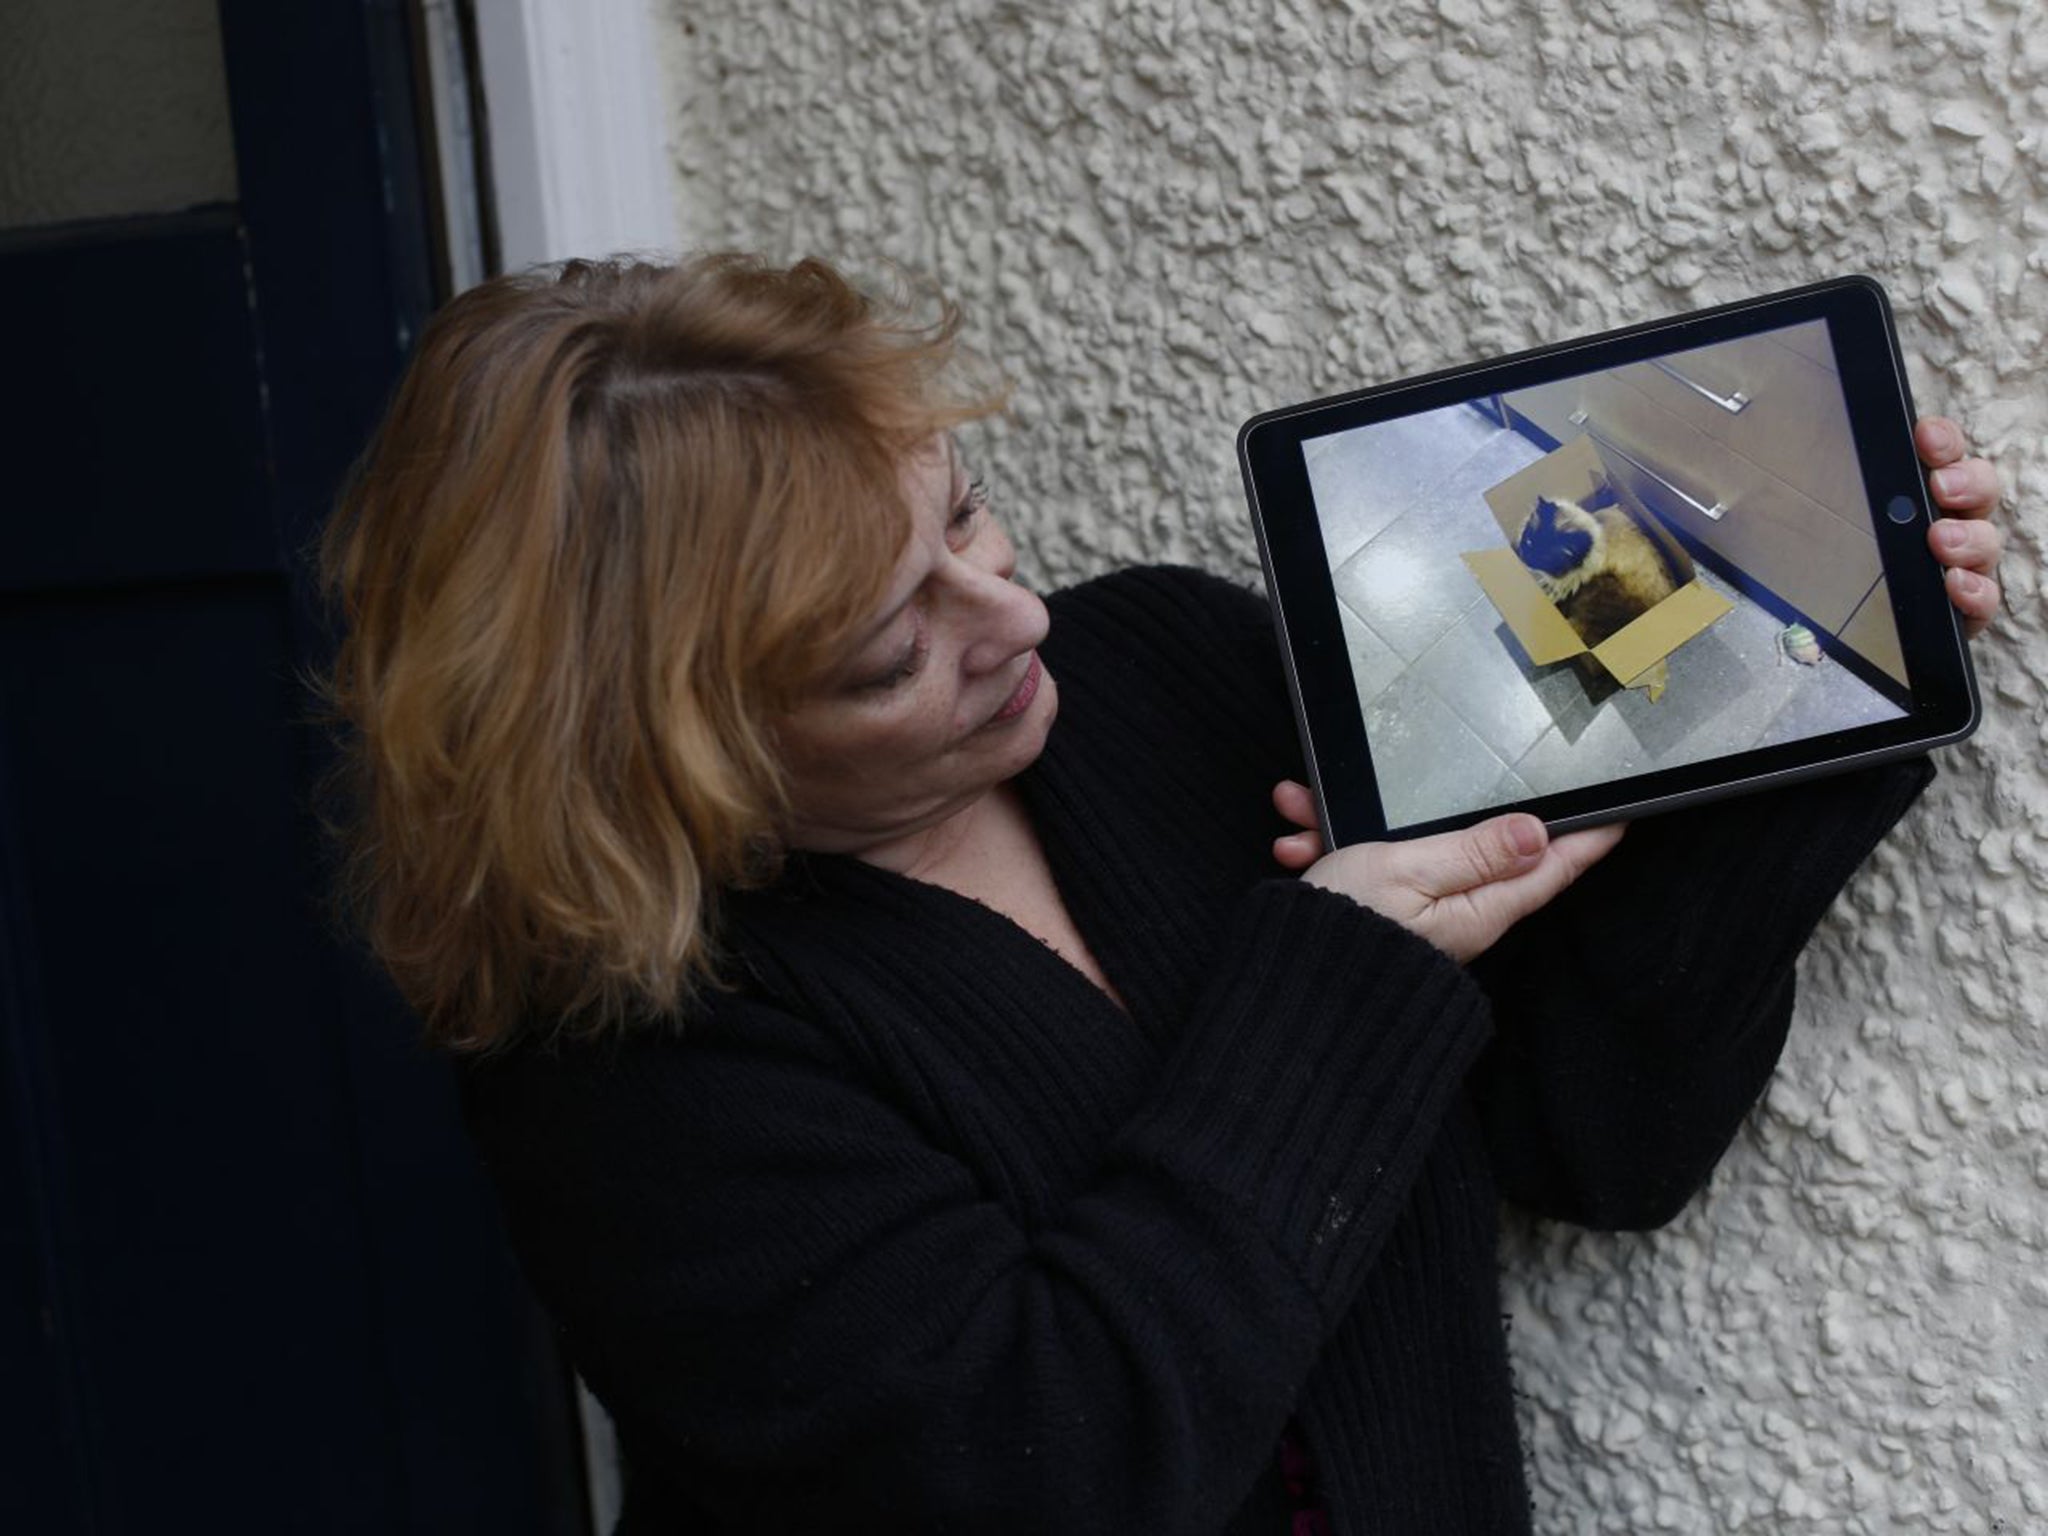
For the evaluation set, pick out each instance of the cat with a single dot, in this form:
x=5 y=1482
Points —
x=1602 y=571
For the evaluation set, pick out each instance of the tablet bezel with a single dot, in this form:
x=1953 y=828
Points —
x=1945 y=706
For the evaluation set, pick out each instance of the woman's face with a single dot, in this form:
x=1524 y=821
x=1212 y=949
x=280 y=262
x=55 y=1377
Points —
x=942 y=699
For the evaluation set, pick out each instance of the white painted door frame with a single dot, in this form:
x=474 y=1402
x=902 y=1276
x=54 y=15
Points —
x=578 y=128
x=577 y=132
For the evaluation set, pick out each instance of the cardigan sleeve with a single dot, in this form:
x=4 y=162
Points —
x=1642 y=1012
x=797 y=1307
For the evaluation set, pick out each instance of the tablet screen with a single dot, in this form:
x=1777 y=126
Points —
x=1607 y=574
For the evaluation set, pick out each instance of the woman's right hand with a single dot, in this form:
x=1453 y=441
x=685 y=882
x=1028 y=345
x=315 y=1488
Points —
x=1459 y=890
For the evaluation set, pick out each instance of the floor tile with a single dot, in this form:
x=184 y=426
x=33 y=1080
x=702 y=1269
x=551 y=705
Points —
x=1428 y=761
x=1374 y=663
x=1574 y=700
x=1565 y=694
x=1508 y=790
x=1607 y=749
x=1408 y=585
x=1364 y=479
x=1360 y=484
x=1458 y=502
x=1442 y=439
x=1477 y=668
x=1715 y=702
x=1823 y=698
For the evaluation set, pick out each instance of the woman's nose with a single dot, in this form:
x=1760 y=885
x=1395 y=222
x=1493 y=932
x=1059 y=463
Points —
x=1006 y=620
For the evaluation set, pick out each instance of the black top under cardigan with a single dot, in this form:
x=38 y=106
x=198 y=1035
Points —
x=917 y=1230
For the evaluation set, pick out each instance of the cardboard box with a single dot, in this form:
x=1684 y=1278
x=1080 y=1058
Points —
x=1631 y=655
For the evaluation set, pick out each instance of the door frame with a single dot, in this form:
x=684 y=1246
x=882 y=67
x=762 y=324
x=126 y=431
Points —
x=577 y=127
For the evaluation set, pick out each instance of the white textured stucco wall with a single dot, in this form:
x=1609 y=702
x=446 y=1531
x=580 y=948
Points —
x=111 y=107
x=1162 y=217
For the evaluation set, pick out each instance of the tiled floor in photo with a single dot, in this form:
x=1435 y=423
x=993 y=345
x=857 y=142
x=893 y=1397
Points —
x=1456 y=715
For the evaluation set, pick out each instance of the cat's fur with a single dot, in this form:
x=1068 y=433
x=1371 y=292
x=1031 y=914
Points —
x=1602 y=572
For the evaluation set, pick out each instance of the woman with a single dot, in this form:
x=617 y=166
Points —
x=917 y=1086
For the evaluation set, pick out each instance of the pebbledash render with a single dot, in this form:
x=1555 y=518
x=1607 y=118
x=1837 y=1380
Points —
x=1161 y=218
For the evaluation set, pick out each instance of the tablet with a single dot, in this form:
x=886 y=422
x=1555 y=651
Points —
x=1612 y=576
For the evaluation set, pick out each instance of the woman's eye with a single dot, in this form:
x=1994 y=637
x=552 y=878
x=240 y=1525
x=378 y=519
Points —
x=971 y=504
x=904 y=668
x=902 y=672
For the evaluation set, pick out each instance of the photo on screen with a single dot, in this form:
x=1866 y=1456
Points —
x=1608 y=575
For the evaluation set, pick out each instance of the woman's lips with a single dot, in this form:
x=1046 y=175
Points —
x=1027 y=690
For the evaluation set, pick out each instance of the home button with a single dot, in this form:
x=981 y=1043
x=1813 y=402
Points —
x=1902 y=509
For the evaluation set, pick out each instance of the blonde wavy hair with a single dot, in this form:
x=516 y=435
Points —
x=618 y=517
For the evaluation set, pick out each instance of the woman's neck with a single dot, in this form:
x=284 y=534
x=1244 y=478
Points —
x=961 y=846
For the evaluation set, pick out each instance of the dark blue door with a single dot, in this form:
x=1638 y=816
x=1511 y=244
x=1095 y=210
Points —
x=250 y=1279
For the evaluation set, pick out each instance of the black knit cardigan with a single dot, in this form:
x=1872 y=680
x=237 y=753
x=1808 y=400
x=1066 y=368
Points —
x=917 y=1230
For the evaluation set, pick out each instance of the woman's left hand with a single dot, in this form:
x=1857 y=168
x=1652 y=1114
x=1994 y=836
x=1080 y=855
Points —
x=1964 y=540
x=1297 y=850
